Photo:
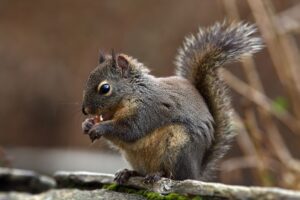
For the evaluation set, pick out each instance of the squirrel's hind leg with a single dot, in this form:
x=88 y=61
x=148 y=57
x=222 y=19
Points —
x=189 y=161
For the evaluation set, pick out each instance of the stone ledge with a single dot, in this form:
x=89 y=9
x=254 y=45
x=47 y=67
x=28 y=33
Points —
x=71 y=194
x=18 y=184
x=24 y=180
x=186 y=187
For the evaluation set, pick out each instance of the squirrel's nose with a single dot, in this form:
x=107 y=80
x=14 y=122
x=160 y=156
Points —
x=84 y=110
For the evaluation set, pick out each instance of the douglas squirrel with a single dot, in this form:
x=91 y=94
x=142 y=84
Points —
x=176 y=127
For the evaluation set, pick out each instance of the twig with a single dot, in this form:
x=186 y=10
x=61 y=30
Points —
x=234 y=164
x=247 y=145
x=257 y=139
x=289 y=20
x=281 y=53
x=243 y=138
x=279 y=148
x=261 y=100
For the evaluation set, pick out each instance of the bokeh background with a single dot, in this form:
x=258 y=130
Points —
x=48 y=48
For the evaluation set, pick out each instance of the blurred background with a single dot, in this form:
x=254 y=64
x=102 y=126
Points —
x=48 y=48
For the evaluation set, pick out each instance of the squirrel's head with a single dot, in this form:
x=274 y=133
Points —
x=114 y=79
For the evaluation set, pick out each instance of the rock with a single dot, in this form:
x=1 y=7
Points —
x=72 y=194
x=186 y=188
x=24 y=180
x=87 y=185
x=82 y=179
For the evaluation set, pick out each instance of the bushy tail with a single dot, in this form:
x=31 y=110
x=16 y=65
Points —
x=198 y=61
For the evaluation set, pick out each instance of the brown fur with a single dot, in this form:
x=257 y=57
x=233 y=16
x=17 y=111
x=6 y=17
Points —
x=125 y=108
x=156 y=151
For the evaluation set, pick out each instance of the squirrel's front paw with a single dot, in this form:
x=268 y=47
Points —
x=95 y=133
x=87 y=125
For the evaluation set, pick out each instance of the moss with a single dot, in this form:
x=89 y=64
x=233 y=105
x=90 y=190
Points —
x=153 y=196
x=175 y=196
x=112 y=186
x=148 y=194
x=197 y=198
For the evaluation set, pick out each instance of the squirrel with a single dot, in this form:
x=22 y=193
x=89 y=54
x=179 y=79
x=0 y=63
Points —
x=176 y=127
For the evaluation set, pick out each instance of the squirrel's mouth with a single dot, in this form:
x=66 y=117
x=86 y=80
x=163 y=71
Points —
x=103 y=116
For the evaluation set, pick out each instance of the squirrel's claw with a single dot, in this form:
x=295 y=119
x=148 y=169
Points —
x=91 y=128
x=123 y=176
x=152 y=178
x=94 y=134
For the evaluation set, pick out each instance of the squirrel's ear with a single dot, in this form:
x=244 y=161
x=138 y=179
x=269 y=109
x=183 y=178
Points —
x=123 y=64
x=113 y=58
x=101 y=57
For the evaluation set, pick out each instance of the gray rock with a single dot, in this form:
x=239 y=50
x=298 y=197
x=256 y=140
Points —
x=186 y=187
x=24 y=180
x=71 y=194
x=87 y=185
x=82 y=179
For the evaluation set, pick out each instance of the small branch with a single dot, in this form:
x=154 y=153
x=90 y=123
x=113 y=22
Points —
x=261 y=100
x=288 y=20
x=282 y=49
x=248 y=146
x=271 y=132
x=243 y=138
x=232 y=164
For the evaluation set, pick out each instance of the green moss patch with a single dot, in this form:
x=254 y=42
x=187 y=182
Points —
x=148 y=194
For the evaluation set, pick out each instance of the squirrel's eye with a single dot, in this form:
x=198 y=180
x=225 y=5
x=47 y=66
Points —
x=104 y=89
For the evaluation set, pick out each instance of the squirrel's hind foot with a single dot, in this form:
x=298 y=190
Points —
x=153 y=177
x=123 y=176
